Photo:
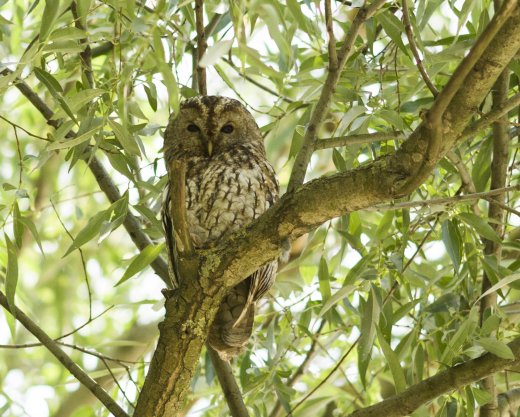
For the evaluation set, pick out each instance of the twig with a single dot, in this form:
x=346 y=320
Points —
x=201 y=46
x=254 y=82
x=492 y=116
x=229 y=385
x=303 y=157
x=301 y=369
x=443 y=201
x=465 y=177
x=65 y=360
x=86 y=55
x=415 y=51
x=82 y=257
x=177 y=174
x=320 y=384
x=333 y=57
x=357 y=139
x=24 y=130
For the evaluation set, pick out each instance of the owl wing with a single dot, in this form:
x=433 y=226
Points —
x=170 y=240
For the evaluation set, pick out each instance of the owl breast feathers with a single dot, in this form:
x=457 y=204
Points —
x=229 y=183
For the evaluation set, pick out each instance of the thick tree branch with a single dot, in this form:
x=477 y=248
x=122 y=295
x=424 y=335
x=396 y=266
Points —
x=188 y=316
x=65 y=360
x=304 y=155
x=409 y=400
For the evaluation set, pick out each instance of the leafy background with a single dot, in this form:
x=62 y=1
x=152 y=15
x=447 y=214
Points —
x=369 y=304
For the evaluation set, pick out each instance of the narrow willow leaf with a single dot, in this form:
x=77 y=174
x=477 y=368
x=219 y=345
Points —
x=67 y=33
x=393 y=28
x=17 y=225
x=69 y=143
x=49 y=17
x=458 y=340
x=496 y=347
x=500 y=284
x=215 y=52
x=392 y=361
x=28 y=223
x=90 y=230
x=453 y=242
x=336 y=297
x=368 y=328
x=55 y=89
x=324 y=280
x=482 y=397
x=125 y=138
x=11 y=275
x=480 y=226
x=141 y=261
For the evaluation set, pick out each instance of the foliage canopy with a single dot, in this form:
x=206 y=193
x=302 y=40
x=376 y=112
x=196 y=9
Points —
x=371 y=302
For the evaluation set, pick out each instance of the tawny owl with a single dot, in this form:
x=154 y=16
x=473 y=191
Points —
x=229 y=183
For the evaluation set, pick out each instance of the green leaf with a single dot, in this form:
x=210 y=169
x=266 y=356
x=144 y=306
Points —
x=11 y=275
x=55 y=89
x=125 y=138
x=336 y=297
x=90 y=230
x=27 y=222
x=140 y=261
x=452 y=242
x=480 y=226
x=17 y=225
x=324 y=280
x=68 y=33
x=69 y=143
x=458 y=340
x=496 y=347
x=215 y=52
x=482 y=397
x=392 y=361
x=368 y=326
x=502 y=283
x=49 y=17
x=393 y=28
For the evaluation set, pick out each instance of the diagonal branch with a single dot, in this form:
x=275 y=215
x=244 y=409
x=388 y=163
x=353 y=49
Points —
x=68 y=363
x=406 y=402
x=304 y=155
x=415 y=51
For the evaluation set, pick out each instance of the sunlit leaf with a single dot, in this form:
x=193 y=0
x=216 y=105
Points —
x=11 y=275
x=141 y=261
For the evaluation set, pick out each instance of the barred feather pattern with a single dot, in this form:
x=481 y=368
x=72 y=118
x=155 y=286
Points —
x=229 y=183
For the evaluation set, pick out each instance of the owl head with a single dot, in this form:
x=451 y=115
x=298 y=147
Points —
x=209 y=126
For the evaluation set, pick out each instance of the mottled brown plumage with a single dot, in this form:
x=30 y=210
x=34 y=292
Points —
x=229 y=183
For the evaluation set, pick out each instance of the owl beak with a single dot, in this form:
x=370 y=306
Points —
x=210 y=147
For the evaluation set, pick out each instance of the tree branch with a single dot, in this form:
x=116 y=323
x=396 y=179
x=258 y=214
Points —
x=333 y=57
x=304 y=155
x=357 y=139
x=496 y=216
x=201 y=46
x=415 y=51
x=65 y=360
x=229 y=385
x=409 y=400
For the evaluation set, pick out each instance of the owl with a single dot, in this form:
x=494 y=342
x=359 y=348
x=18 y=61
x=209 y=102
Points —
x=229 y=183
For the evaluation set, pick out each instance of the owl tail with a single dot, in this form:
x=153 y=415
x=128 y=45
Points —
x=233 y=323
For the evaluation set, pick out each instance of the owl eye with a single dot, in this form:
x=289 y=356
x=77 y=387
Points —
x=227 y=129
x=193 y=128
